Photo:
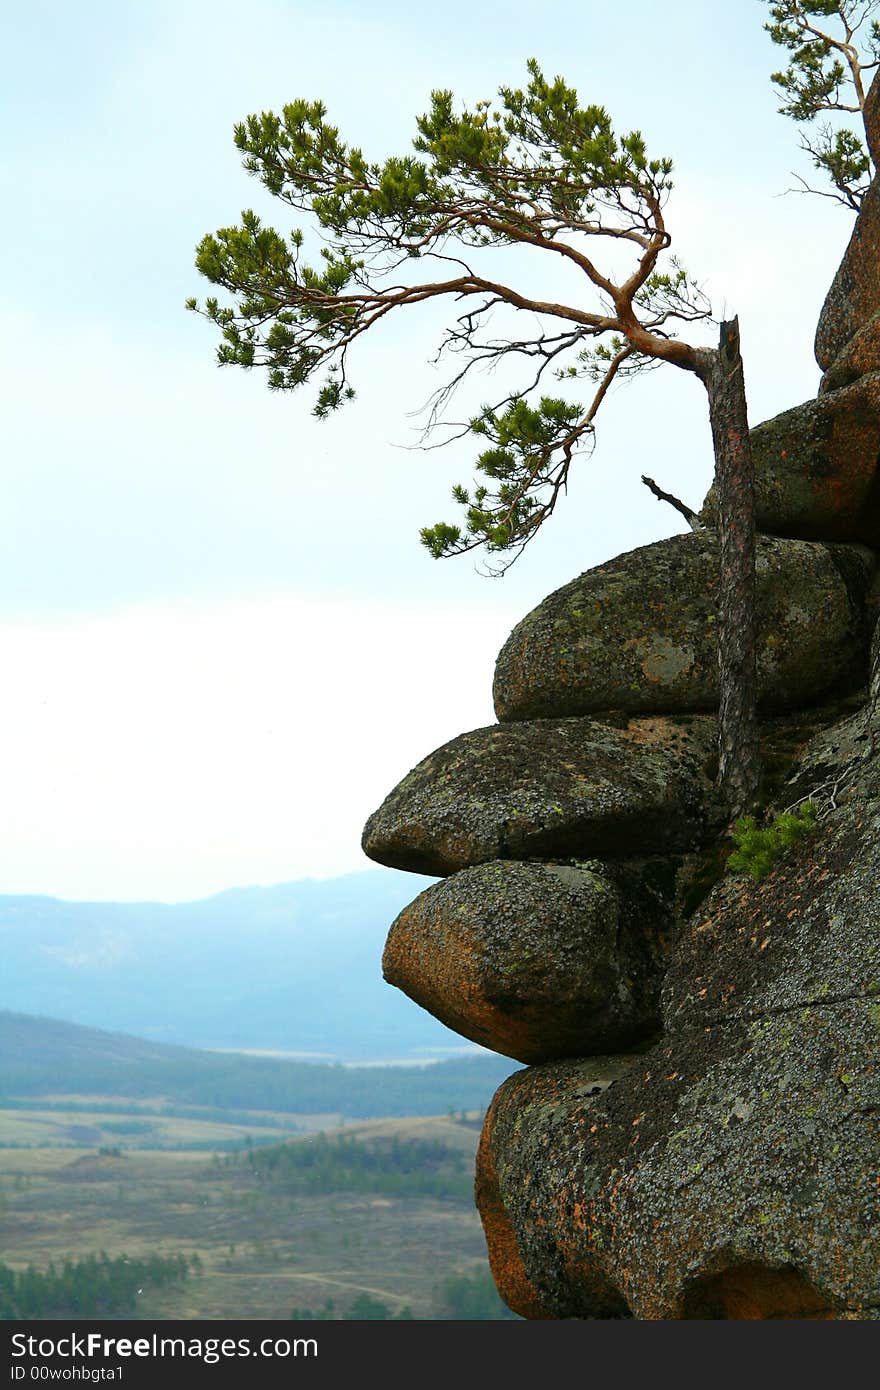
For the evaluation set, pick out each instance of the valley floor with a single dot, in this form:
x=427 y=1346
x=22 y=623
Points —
x=261 y=1252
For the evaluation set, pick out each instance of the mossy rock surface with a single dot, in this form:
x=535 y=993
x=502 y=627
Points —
x=535 y=961
x=550 y=789
x=639 y=634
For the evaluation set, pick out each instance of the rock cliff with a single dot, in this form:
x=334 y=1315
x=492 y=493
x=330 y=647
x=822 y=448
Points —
x=696 y=1132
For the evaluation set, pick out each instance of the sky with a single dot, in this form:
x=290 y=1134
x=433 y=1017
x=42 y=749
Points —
x=222 y=643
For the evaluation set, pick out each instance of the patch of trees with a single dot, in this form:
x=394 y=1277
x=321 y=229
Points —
x=364 y=1308
x=401 y=1168
x=471 y=1298
x=461 y=1297
x=85 y=1288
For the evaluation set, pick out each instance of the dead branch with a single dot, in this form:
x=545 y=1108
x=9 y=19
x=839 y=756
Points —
x=691 y=517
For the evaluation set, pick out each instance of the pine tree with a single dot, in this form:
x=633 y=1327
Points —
x=536 y=170
x=834 y=46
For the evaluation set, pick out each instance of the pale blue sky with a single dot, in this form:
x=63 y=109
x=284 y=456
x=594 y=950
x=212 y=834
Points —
x=223 y=641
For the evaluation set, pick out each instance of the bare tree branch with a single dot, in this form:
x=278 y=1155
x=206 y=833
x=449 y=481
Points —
x=690 y=516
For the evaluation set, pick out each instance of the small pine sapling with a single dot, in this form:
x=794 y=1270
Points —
x=758 y=848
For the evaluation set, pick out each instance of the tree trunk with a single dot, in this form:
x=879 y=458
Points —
x=739 y=763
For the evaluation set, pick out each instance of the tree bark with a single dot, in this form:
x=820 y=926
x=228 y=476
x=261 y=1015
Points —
x=739 y=763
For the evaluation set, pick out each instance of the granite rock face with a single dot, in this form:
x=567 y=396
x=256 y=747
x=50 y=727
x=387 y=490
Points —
x=860 y=357
x=731 y=1170
x=640 y=633
x=697 y=1128
x=550 y=789
x=853 y=297
x=848 y=334
x=816 y=468
x=535 y=961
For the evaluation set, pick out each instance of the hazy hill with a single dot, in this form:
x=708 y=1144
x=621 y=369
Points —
x=43 y=1057
x=294 y=967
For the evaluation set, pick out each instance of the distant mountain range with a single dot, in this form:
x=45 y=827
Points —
x=42 y=1057
x=294 y=968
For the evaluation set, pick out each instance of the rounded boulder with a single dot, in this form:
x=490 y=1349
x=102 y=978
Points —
x=535 y=961
x=549 y=789
x=639 y=634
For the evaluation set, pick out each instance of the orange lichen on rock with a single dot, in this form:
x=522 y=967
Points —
x=505 y=1261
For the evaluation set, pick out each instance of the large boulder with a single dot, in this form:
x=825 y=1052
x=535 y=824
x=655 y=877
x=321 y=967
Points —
x=640 y=633
x=732 y=1175
x=854 y=296
x=549 y=789
x=535 y=961
x=816 y=468
x=731 y=1172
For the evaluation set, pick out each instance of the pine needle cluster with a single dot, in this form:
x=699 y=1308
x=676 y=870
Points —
x=758 y=848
